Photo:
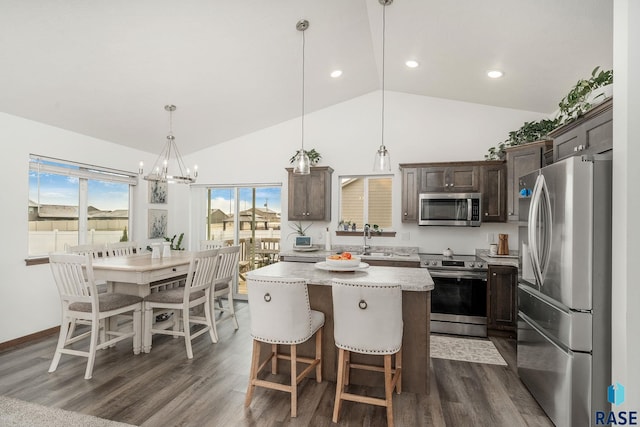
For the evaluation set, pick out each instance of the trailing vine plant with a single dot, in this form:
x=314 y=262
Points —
x=573 y=105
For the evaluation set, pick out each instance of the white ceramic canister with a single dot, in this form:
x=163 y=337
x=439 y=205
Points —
x=155 y=250
x=166 y=249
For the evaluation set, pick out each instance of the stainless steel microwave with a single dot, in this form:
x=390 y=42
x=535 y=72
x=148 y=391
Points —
x=457 y=209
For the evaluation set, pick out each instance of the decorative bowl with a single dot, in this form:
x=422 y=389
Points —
x=353 y=262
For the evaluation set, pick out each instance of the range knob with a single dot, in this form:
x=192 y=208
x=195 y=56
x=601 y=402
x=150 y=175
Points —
x=434 y=263
x=471 y=264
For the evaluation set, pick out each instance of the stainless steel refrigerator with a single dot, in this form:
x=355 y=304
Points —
x=564 y=288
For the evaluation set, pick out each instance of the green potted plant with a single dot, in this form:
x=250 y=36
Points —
x=298 y=228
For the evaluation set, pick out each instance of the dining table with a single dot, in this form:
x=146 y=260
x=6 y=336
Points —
x=140 y=274
x=416 y=286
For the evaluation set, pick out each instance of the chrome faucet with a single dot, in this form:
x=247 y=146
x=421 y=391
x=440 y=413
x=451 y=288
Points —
x=366 y=234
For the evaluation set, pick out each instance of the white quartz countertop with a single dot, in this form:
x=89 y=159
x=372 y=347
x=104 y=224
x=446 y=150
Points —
x=411 y=279
x=320 y=255
x=511 y=259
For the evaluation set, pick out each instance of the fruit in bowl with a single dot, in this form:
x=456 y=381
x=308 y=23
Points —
x=345 y=259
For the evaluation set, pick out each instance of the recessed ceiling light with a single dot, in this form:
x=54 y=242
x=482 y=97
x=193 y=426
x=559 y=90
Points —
x=412 y=63
x=336 y=73
x=495 y=74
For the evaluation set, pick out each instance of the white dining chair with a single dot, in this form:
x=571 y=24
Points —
x=123 y=248
x=281 y=315
x=80 y=300
x=223 y=285
x=367 y=319
x=196 y=292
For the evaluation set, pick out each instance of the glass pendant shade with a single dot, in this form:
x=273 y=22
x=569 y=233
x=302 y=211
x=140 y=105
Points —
x=302 y=164
x=382 y=162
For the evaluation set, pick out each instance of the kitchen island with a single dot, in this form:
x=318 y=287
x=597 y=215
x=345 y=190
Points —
x=416 y=311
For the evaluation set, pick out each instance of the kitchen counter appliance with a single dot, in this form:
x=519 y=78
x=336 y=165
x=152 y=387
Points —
x=457 y=209
x=459 y=297
x=564 y=288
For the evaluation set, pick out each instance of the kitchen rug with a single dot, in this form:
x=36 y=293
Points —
x=465 y=350
x=18 y=413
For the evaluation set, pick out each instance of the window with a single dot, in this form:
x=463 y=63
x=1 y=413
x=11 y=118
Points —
x=366 y=200
x=72 y=203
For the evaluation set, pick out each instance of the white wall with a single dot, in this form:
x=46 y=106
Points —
x=417 y=129
x=28 y=297
x=626 y=204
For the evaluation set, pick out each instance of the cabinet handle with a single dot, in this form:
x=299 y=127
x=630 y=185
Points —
x=510 y=213
x=405 y=214
x=494 y=274
x=486 y=214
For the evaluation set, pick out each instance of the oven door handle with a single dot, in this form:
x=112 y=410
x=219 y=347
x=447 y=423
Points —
x=458 y=274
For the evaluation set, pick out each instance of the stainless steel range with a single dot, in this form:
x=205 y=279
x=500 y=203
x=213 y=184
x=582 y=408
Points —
x=459 y=297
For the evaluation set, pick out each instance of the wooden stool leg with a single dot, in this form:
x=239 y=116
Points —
x=339 y=385
x=294 y=382
x=319 y=355
x=399 y=371
x=388 y=389
x=253 y=373
x=274 y=359
x=347 y=367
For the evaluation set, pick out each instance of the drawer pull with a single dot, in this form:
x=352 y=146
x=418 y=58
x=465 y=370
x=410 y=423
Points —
x=174 y=269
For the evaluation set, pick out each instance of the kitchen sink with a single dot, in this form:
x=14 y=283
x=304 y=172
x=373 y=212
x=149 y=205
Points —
x=374 y=255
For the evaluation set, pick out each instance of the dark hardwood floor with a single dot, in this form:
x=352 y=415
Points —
x=164 y=388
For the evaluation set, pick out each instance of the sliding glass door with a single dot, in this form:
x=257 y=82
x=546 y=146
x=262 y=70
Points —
x=248 y=216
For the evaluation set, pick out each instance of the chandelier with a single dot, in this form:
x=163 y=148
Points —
x=166 y=170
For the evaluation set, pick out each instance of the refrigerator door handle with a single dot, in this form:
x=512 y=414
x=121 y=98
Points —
x=540 y=229
x=547 y=227
x=533 y=228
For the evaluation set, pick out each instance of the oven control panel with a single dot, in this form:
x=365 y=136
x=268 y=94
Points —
x=462 y=262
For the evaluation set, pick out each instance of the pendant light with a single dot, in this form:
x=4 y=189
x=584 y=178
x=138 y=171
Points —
x=382 y=161
x=164 y=164
x=301 y=161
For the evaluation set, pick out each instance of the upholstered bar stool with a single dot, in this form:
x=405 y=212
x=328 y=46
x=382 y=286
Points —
x=281 y=315
x=367 y=319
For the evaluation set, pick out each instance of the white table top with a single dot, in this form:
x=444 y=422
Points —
x=411 y=279
x=141 y=263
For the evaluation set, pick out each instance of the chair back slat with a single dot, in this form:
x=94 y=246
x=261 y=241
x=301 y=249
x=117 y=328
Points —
x=211 y=244
x=96 y=250
x=123 y=248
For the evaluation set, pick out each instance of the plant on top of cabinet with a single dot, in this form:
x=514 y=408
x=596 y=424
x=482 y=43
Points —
x=577 y=102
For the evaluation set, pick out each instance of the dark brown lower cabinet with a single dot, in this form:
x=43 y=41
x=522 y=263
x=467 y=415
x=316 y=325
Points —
x=501 y=300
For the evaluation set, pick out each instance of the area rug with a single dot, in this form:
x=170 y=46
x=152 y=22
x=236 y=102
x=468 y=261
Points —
x=465 y=350
x=14 y=413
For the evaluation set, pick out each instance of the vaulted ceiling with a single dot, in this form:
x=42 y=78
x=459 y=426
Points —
x=106 y=68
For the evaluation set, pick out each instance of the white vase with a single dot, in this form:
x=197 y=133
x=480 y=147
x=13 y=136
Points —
x=166 y=249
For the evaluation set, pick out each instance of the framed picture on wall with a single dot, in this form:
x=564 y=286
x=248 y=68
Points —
x=157 y=223
x=158 y=192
